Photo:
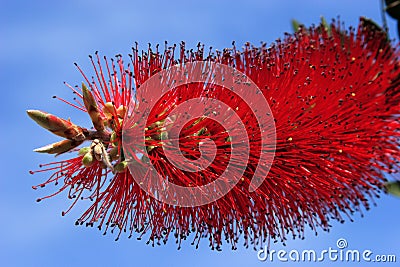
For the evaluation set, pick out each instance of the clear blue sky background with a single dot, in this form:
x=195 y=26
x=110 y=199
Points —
x=40 y=40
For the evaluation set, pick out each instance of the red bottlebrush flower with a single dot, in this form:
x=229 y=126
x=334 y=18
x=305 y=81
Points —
x=334 y=98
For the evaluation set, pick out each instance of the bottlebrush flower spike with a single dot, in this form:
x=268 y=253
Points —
x=334 y=97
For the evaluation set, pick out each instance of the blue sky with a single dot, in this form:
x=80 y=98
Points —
x=40 y=40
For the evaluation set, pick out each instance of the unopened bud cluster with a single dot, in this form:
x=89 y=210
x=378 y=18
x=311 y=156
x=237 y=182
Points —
x=105 y=146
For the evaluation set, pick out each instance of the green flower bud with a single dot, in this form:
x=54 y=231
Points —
x=109 y=110
x=121 y=111
x=114 y=139
x=114 y=153
x=83 y=151
x=120 y=167
x=88 y=159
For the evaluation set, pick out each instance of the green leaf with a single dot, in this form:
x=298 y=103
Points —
x=326 y=25
x=296 y=25
x=393 y=188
